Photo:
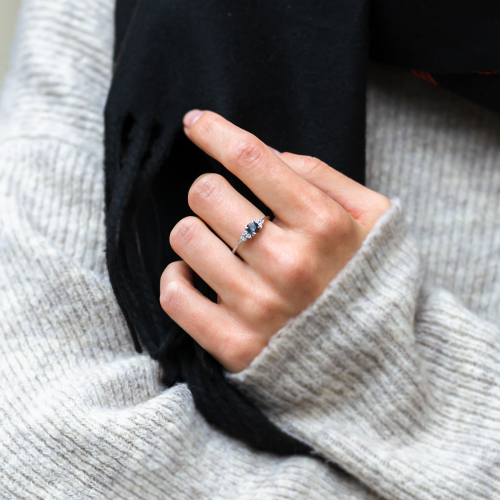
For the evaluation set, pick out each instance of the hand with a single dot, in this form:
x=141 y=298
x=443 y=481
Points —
x=321 y=220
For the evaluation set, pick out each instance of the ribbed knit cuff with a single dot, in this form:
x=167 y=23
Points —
x=353 y=344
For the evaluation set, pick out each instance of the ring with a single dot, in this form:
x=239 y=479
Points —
x=251 y=230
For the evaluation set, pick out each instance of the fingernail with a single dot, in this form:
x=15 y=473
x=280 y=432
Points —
x=191 y=117
x=275 y=151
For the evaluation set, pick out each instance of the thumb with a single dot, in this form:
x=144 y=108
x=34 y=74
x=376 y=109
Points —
x=363 y=204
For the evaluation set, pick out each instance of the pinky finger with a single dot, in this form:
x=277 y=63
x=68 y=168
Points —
x=205 y=321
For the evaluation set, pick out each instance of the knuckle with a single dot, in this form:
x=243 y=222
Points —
x=259 y=307
x=381 y=205
x=328 y=222
x=239 y=351
x=293 y=268
x=262 y=307
x=207 y=187
x=275 y=305
x=166 y=275
x=249 y=151
x=230 y=347
x=309 y=164
x=184 y=232
x=297 y=271
x=375 y=205
x=172 y=297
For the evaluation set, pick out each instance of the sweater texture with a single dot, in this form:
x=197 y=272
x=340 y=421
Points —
x=392 y=375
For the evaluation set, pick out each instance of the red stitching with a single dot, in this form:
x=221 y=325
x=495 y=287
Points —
x=425 y=76
x=487 y=72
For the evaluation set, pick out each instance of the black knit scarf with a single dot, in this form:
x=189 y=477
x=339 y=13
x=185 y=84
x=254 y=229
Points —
x=293 y=72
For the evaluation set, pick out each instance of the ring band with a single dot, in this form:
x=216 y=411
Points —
x=251 y=230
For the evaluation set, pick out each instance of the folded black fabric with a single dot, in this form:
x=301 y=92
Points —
x=291 y=72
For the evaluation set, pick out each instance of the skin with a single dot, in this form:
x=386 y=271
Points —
x=321 y=220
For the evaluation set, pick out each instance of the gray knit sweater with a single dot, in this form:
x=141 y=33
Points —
x=392 y=375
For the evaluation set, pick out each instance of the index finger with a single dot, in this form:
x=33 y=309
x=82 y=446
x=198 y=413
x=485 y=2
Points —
x=291 y=198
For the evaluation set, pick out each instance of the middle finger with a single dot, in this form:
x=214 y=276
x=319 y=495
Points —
x=292 y=199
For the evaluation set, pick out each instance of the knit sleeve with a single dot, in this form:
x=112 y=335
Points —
x=59 y=74
x=396 y=383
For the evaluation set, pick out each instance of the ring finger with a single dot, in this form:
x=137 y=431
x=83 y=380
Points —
x=209 y=258
x=227 y=212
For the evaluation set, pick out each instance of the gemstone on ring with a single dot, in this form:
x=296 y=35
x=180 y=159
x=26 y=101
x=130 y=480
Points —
x=251 y=230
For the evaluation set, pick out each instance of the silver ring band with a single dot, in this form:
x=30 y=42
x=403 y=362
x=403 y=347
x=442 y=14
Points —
x=251 y=230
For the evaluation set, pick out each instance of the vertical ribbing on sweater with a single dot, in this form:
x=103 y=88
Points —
x=441 y=157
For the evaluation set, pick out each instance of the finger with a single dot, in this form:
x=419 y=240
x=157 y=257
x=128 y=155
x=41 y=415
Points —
x=178 y=269
x=205 y=321
x=227 y=212
x=210 y=258
x=293 y=200
x=363 y=204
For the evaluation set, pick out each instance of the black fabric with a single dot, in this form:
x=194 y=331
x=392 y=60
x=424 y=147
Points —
x=483 y=89
x=436 y=36
x=291 y=72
